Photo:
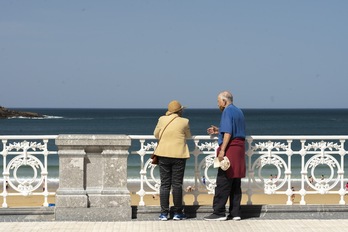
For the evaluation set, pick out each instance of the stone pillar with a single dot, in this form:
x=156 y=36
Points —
x=93 y=178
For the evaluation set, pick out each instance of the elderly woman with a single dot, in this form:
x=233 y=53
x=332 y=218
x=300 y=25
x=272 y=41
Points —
x=172 y=151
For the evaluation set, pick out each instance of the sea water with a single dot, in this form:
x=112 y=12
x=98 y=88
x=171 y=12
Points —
x=143 y=122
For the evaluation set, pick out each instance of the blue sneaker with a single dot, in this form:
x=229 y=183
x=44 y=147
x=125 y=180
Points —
x=179 y=216
x=163 y=217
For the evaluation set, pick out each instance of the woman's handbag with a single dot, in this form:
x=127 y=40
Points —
x=154 y=157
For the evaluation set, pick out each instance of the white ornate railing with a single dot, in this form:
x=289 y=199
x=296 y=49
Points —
x=202 y=182
x=321 y=170
x=275 y=164
x=20 y=152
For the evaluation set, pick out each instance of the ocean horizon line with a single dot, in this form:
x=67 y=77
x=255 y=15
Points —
x=187 y=108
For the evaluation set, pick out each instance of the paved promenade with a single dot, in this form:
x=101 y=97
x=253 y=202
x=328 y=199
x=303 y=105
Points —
x=249 y=225
x=270 y=218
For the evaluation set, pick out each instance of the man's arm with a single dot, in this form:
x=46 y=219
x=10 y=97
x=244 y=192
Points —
x=223 y=146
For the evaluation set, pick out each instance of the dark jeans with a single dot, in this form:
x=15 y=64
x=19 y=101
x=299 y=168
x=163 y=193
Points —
x=227 y=188
x=172 y=177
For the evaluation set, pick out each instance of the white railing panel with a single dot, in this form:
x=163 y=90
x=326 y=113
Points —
x=25 y=152
x=321 y=170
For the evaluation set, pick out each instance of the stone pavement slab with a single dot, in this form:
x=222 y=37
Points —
x=182 y=226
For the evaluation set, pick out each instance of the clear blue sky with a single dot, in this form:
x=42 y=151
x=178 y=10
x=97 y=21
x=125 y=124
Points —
x=142 y=54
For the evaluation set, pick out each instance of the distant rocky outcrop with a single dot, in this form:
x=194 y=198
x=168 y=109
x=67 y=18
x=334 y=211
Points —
x=6 y=113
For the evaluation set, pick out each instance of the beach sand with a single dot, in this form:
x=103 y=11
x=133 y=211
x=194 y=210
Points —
x=204 y=200
x=257 y=199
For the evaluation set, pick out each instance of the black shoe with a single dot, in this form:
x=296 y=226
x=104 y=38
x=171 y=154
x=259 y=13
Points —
x=214 y=217
x=230 y=217
x=179 y=216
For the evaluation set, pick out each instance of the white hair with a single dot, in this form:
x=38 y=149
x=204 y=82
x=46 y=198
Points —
x=226 y=95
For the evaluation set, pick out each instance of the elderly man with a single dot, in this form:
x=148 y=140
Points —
x=231 y=140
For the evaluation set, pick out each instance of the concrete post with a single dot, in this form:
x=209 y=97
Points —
x=93 y=178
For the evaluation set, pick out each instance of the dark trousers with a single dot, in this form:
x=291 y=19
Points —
x=227 y=188
x=172 y=176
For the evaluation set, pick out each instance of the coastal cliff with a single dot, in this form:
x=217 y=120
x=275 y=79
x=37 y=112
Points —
x=6 y=113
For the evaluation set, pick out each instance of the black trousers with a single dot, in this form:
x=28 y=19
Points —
x=227 y=188
x=172 y=176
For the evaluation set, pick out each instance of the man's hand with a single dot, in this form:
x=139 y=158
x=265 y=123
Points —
x=221 y=155
x=213 y=130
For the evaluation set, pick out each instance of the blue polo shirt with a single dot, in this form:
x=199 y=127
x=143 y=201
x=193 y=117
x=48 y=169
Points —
x=232 y=122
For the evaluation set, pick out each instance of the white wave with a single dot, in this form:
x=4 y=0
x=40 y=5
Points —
x=21 y=117
x=52 y=117
x=37 y=118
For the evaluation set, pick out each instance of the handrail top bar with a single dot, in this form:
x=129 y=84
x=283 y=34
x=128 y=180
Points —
x=153 y=137
x=254 y=137
x=28 y=136
x=258 y=137
x=284 y=137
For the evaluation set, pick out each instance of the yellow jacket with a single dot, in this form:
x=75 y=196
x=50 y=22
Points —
x=173 y=141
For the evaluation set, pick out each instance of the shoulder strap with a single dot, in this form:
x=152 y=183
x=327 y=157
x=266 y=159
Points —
x=165 y=128
x=163 y=131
